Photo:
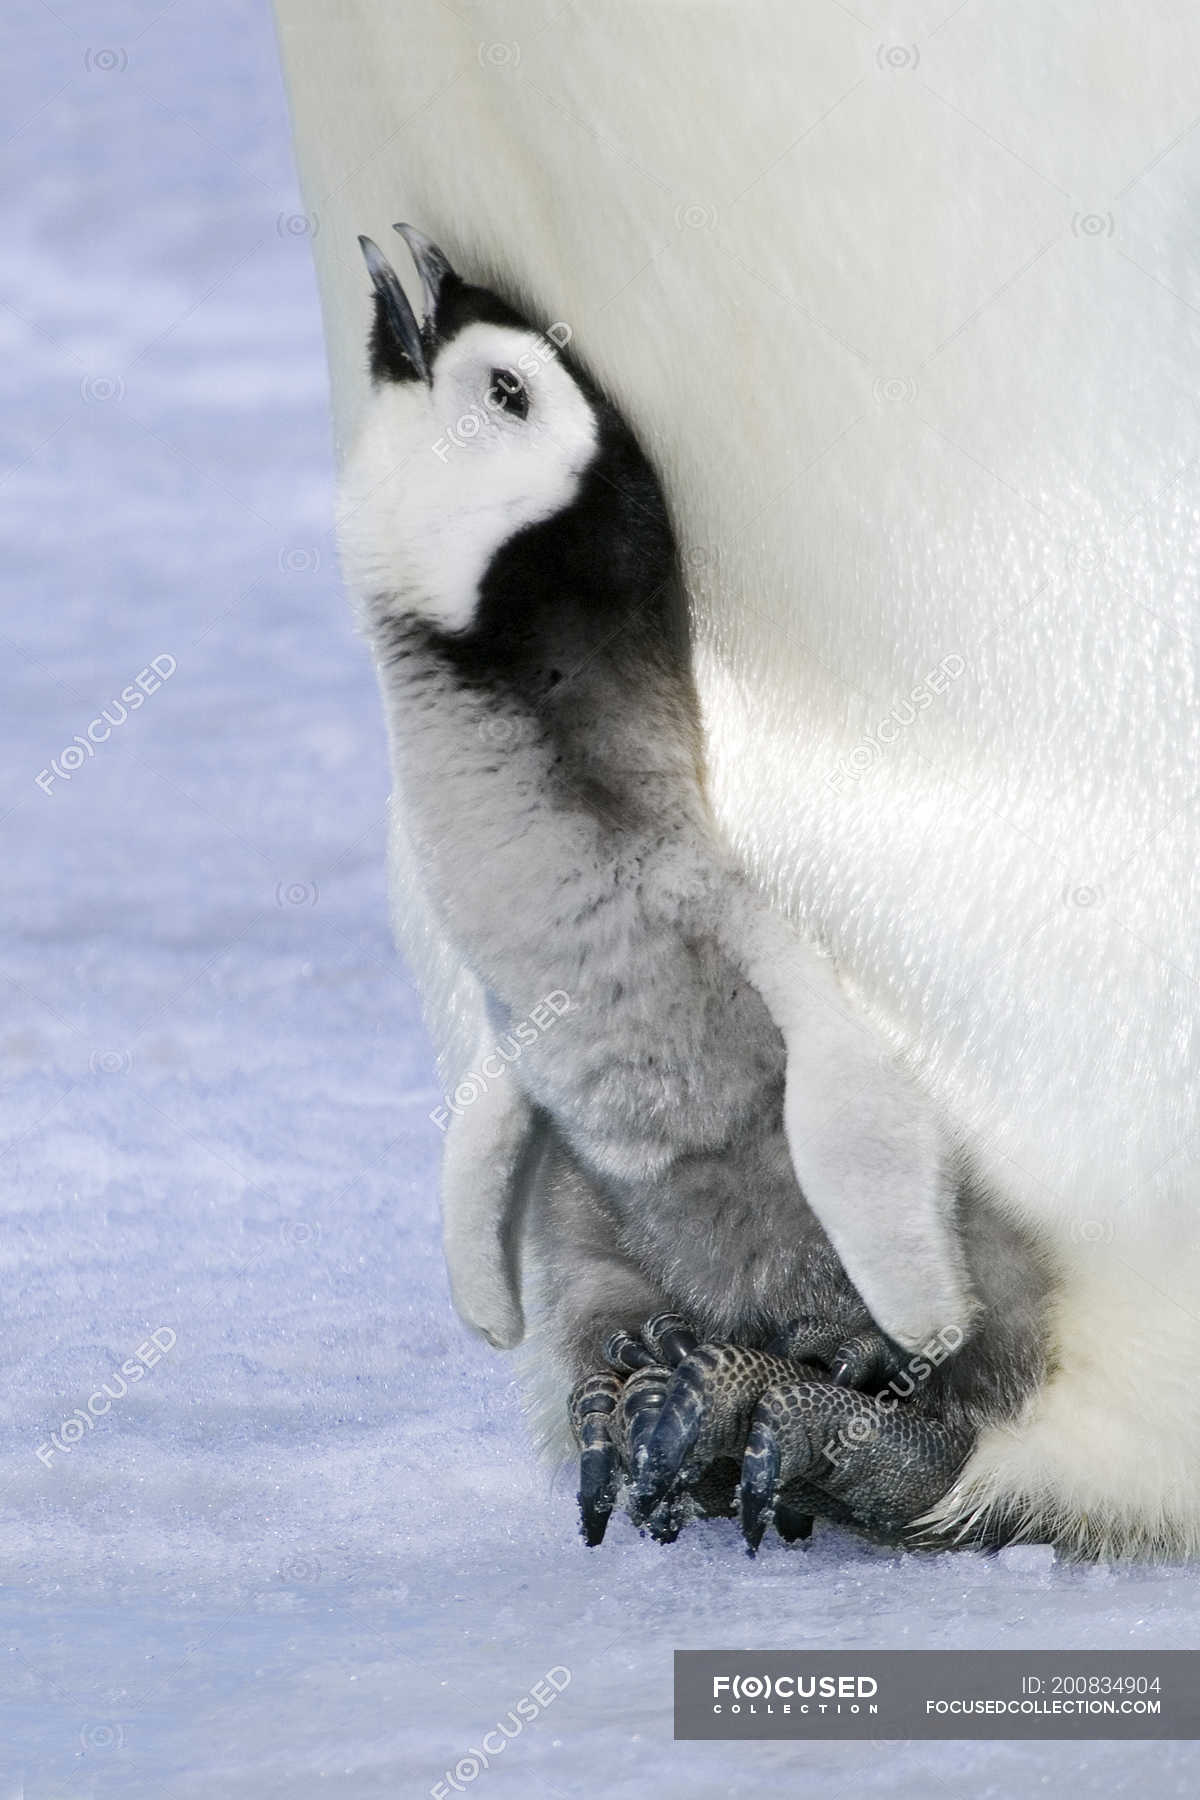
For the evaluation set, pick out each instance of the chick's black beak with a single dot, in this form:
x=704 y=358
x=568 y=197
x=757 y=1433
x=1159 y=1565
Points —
x=432 y=266
x=398 y=348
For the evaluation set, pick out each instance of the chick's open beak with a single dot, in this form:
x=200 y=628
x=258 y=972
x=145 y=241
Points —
x=432 y=266
x=393 y=312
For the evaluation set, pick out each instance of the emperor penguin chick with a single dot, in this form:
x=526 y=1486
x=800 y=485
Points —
x=709 y=1161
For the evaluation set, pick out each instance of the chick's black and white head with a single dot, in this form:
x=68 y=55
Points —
x=490 y=479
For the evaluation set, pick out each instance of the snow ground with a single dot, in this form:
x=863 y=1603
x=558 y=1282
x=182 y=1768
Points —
x=309 y=1552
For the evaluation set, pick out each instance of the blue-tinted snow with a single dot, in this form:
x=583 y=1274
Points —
x=308 y=1552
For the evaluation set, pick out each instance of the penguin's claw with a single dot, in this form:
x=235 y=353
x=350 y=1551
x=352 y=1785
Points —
x=593 y=1402
x=673 y=1430
x=705 y=1415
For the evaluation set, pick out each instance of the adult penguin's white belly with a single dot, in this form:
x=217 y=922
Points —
x=912 y=328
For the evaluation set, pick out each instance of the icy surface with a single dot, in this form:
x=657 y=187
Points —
x=309 y=1551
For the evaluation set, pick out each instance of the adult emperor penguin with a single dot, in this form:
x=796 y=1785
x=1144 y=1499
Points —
x=750 y=1246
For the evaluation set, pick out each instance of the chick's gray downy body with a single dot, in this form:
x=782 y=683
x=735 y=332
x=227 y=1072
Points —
x=734 y=1213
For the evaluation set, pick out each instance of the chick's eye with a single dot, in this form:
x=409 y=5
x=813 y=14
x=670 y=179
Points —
x=508 y=393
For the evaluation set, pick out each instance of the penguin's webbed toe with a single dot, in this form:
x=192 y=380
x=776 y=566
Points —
x=674 y=1430
x=874 y=1461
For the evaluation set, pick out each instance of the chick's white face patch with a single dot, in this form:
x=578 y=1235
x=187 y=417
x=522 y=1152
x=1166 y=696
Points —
x=442 y=476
